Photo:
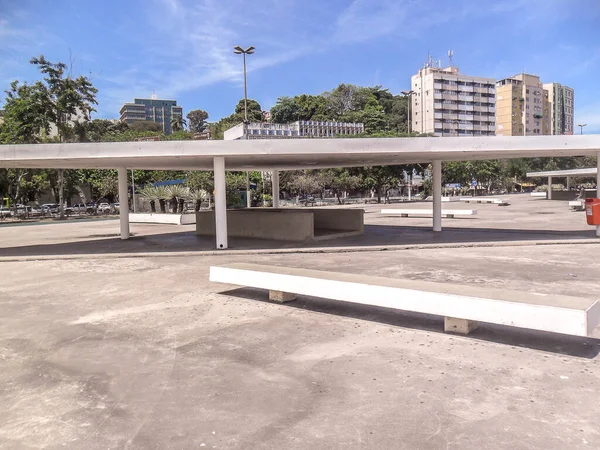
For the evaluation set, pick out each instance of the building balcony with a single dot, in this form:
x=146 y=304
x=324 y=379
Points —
x=465 y=98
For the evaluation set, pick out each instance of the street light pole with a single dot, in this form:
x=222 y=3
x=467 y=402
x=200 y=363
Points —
x=239 y=50
x=581 y=125
x=408 y=94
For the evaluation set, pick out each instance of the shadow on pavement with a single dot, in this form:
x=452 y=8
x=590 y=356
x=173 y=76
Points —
x=579 y=347
x=374 y=236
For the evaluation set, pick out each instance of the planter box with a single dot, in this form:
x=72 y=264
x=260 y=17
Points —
x=173 y=219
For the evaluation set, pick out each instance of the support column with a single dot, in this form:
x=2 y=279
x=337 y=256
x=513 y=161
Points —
x=568 y=183
x=437 y=195
x=409 y=186
x=549 y=196
x=220 y=203
x=123 y=203
x=598 y=190
x=248 y=195
x=275 y=183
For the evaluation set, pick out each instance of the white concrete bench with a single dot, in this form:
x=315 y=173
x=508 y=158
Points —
x=495 y=201
x=577 y=205
x=461 y=306
x=448 y=213
x=539 y=194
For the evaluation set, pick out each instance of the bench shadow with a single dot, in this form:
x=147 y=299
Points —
x=561 y=344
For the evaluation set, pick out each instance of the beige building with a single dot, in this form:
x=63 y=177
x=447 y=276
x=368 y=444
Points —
x=448 y=103
x=562 y=108
x=522 y=107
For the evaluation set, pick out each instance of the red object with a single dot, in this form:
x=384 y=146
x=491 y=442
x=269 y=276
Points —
x=592 y=211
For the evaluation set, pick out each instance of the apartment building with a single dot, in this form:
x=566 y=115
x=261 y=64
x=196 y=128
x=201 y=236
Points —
x=294 y=130
x=447 y=103
x=151 y=110
x=562 y=108
x=523 y=107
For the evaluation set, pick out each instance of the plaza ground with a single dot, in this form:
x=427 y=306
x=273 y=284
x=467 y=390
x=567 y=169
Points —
x=125 y=344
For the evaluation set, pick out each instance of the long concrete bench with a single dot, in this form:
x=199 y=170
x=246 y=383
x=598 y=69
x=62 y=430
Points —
x=461 y=306
x=577 y=205
x=539 y=194
x=495 y=201
x=448 y=213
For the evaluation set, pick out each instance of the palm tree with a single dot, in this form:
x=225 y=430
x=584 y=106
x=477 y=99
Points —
x=197 y=197
x=163 y=195
x=150 y=193
x=177 y=194
x=178 y=123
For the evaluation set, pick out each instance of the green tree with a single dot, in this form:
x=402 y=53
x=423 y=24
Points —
x=65 y=97
x=286 y=110
x=255 y=113
x=197 y=120
x=178 y=123
x=145 y=125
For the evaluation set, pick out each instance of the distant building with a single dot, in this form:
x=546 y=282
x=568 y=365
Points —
x=1 y=116
x=447 y=103
x=296 y=130
x=151 y=110
x=562 y=108
x=522 y=106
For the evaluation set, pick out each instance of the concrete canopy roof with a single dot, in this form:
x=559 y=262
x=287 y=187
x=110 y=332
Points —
x=565 y=173
x=290 y=153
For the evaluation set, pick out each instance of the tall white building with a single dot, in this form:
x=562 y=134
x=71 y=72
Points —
x=448 y=103
x=294 y=130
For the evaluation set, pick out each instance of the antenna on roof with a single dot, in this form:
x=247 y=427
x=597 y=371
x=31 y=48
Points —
x=154 y=95
x=450 y=56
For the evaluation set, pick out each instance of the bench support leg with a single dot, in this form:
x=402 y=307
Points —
x=460 y=326
x=282 y=297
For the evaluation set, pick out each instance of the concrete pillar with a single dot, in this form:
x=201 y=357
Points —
x=598 y=190
x=437 y=195
x=123 y=203
x=568 y=183
x=549 y=196
x=275 y=183
x=220 y=203
x=409 y=186
x=248 y=193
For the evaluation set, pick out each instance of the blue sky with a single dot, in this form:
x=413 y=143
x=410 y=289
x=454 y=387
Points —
x=182 y=49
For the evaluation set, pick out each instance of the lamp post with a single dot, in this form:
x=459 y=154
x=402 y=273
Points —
x=408 y=94
x=240 y=51
x=581 y=125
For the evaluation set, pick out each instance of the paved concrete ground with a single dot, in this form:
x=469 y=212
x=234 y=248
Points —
x=526 y=219
x=143 y=352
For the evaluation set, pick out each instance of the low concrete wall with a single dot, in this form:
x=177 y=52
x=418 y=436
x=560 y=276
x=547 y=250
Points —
x=285 y=224
x=340 y=219
x=277 y=224
x=173 y=219
x=564 y=195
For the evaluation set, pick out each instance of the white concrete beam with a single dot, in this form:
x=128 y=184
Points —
x=220 y=203
x=275 y=183
x=549 y=197
x=437 y=195
x=123 y=203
